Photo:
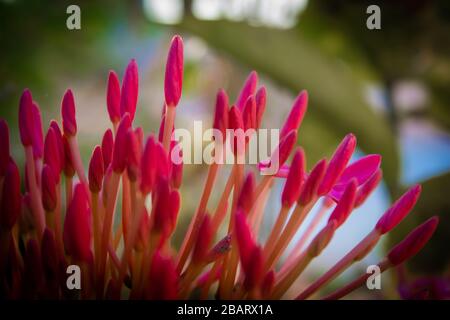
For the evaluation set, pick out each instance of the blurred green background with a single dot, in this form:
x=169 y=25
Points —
x=391 y=87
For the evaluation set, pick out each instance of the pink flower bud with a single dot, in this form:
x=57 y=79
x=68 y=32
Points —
x=77 y=226
x=311 y=184
x=134 y=155
x=295 y=117
x=254 y=269
x=260 y=105
x=119 y=159
x=52 y=153
x=247 y=197
x=96 y=170
x=284 y=148
x=362 y=170
x=129 y=93
x=113 y=97
x=338 y=163
x=107 y=148
x=173 y=81
x=294 y=181
x=48 y=189
x=247 y=90
x=4 y=147
x=162 y=279
x=26 y=118
x=414 y=242
x=244 y=239
x=203 y=241
x=399 y=210
x=68 y=114
x=345 y=204
x=38 y=135
x=59 y=143
x=249 y=113
x=148 y=166
x=221 y=112
x=367 y=188
x=11 y=200
x=235 y=122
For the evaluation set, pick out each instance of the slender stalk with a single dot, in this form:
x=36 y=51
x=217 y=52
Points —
x=96 y=226
x=211 y=277
x=168 y=125
x=107 y=226
x=126 y=205
x=342 y=292
x=231 y=267
x=276 y=230
x=297 y=250
x=222 y=207
x=361 y=248
x=76 y=159
x=189 y=238
x=58 y=220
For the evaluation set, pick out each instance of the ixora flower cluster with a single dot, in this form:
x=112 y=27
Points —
x=60 y=217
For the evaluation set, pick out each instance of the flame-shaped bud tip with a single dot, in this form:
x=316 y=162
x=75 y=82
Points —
x=38 y=135
x=130 y=89
x=295 y=117
x=119 y=159
x=294 y=181
x=345 y=204
x=311 y=184
x=48 y=182
x=247 y=90
x=261 y=96
x=77 y=226
x=173 y=81
x=26 y=118
x=221 y=112
x=246 y=196
x=96 y=170
x=113 y=97
x=399 y=210
x=338 y=163
x=414 y=242
x=52 y=153
x=107 y=147
x=68 y=114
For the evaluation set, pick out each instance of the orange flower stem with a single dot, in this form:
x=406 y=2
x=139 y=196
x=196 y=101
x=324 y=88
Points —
x=358 y=252
x=342 y=292
x=168 y=125
x=232 y=265
x=189 y=238
x=126 y=205
x=76 y=159
x=107 y=227
x=96 y=226
x=211 y=277
x=296 y=251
